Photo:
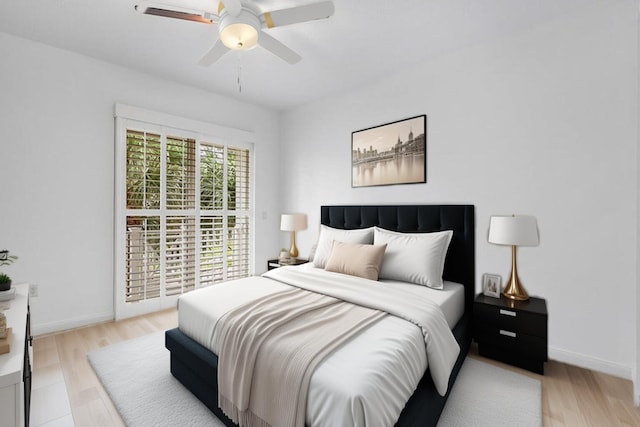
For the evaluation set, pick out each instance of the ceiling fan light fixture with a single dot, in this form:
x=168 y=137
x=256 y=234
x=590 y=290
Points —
x=239 y=36
x=239 y=32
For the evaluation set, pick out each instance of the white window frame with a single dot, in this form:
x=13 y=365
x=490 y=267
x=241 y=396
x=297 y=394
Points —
x=128 y=117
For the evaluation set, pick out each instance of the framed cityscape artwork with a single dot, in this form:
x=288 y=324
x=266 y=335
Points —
x=390 y=154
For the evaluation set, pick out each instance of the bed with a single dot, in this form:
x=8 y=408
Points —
x=196 y=366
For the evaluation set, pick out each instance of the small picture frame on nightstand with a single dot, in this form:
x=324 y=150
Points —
x=491 y=285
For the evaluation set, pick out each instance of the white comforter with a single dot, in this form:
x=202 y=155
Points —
x=354 y=386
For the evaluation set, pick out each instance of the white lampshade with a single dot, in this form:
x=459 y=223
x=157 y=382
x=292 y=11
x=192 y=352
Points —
x=519 y=230
x=293 y=222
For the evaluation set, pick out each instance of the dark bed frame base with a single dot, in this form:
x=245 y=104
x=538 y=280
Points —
x=197 y=368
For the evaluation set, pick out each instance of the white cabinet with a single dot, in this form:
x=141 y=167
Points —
x=15 y=366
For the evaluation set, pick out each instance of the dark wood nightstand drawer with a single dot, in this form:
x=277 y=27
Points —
x=513 y=342
x=518 y=321
x=514 y=332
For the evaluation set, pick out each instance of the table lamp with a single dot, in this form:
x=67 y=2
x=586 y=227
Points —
x=514 y=231
x=293 y=223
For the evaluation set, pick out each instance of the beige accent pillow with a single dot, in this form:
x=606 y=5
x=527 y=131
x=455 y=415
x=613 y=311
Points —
x=356 y=259
x=328 y=235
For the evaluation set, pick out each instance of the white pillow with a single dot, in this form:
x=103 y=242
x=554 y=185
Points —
x=328 y=235
x=414 y=257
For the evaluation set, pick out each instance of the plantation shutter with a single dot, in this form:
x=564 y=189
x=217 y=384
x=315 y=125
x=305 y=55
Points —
x=142 y=258
x=187 y=216
x=238 y=187
x=143 y=170
x=180 y=240
x=225 y=221
x=143 y=232
x=212 y=263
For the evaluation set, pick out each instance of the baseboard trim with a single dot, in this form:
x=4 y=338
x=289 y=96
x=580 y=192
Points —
x=593 y=363
x=66 y=324
x=636 y=387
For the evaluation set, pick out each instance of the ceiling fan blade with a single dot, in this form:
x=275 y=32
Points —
x=213 y=54
x=232 y=6
x=174 y=11
x=277 y=48
x=294 y=15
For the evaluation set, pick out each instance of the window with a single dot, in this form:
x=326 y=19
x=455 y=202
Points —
x=183 y=211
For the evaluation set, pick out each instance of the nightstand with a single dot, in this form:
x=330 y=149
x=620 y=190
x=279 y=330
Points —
x=275 y=263
x=514 y=332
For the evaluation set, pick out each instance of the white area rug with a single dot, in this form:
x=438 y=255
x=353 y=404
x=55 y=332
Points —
x=136 y=375
x=485 y=395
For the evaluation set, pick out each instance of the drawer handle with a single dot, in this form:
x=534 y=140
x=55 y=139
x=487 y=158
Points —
x=508 y=312
x=507 y=333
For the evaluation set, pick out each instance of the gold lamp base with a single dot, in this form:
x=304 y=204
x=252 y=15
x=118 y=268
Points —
x=294 y=249
x=514 y=289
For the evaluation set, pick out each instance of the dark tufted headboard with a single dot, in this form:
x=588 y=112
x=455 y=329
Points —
x=460 y=263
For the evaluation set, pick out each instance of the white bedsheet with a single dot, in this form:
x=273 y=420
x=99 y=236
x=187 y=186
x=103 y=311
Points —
x=353 y=386
x=450 y=298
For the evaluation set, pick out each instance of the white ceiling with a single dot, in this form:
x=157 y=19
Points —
x=364 y=40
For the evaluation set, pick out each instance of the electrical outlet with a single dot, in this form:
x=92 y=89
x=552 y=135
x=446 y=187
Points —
x=33 y=290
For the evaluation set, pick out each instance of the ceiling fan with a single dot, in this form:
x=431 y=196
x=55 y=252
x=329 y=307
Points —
x=240 y=25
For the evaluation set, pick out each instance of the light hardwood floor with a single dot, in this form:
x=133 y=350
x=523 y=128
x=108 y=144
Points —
x=571 y=396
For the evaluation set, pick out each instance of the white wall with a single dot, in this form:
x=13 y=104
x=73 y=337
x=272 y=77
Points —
x=57 y=179
x=544 y=123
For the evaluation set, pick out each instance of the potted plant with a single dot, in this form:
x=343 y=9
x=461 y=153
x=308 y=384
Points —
x=6 y=259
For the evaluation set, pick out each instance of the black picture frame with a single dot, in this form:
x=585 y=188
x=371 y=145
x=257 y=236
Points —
x=390 y=154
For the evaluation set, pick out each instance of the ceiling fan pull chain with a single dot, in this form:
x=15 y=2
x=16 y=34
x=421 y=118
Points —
x=239 y=72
